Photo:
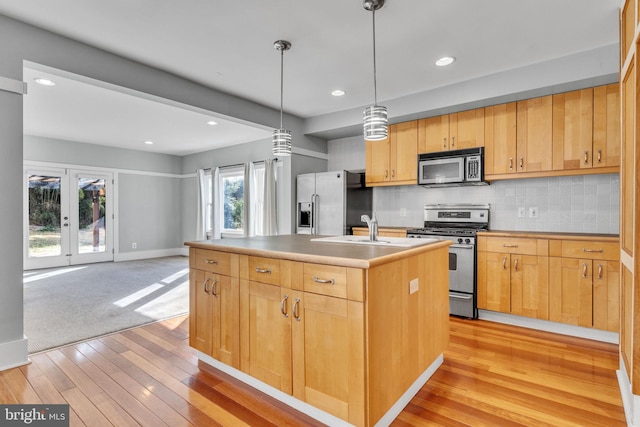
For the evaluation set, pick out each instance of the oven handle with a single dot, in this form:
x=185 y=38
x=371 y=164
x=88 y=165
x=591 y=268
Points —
x=457 y=245
x=456 y=296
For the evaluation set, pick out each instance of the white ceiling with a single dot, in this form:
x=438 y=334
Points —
x=228 y=45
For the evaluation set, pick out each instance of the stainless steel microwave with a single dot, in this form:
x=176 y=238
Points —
x=455 y=167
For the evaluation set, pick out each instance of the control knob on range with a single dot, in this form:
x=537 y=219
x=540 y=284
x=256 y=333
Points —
x=459 y=240
x=467 y=241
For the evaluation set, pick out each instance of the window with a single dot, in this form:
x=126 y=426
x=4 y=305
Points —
x=232 y=190
x=208 y=202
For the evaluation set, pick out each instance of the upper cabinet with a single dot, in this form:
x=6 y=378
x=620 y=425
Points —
x=606 y=126
x=393 y=161
x=534 y=134
x=500 y=154
x=451 y=131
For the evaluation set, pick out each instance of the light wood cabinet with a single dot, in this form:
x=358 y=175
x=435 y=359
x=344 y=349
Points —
x=606 y=126
x=513 y=276
x=293 y=330
x=500 y=153
x=534 y=132
x=573 y=130
x=585 y=284
x=214 y=306
x=453 y=131
x=393 y=161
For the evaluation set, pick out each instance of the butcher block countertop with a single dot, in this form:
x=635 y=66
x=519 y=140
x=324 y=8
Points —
x=299 y=247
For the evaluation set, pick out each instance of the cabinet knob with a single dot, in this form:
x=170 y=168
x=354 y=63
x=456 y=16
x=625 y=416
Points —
x=510 y=163
x=599 y=156
x=586 y=157
x=204 y=285
x=515 y=264
x=584 y=270
x=521 y=162
x=296 y=313
x=283 y=306
x=599 y=272
x=504 y=263
x=444 y=143
x=453 y=141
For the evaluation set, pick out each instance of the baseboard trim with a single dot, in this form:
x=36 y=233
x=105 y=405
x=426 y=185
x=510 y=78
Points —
x=14 y=354
x=314 y=412
x=545 y=325
x=133 y=256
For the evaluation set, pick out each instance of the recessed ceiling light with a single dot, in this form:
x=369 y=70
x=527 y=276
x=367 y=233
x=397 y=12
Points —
x=338 y=92
x=149 y=142
x=445 y=60
x=44 y=82
x=212 y=123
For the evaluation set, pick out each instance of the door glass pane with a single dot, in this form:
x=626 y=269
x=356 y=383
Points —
x=233 y=216
x=45 y=238
x=91 y=211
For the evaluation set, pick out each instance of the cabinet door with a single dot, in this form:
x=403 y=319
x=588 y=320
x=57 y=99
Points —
x=534 y=134
x=404 y=152
x=200 y=310
x=266 y=333
x=494 y=281
x=225 y=320
x=606 y=295
x=606 y=125
x=466 y=129
x=573 y=130
x=530 y=286
x=571 y=291
x=377 y=161
x=328 y=355
x=500 y=139
x=433 y=134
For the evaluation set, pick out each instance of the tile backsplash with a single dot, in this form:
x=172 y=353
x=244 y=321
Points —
x=572 y=204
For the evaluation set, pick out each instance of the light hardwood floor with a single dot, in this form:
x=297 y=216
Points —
x=493 y=375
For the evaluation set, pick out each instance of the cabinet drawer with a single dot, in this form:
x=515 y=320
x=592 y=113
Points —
x=516 y=245
x=214 y=261
x=264 y=270
x=325 y=280
x=591 y=250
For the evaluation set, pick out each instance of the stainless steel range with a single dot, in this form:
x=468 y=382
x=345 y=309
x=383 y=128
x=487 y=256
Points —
x=458 y=223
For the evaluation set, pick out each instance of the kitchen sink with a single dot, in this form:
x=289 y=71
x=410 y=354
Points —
x=382 y=241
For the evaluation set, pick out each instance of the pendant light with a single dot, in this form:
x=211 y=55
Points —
x=375 y=116
x=281 y=137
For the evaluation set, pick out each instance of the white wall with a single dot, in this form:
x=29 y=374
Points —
x=578 y=204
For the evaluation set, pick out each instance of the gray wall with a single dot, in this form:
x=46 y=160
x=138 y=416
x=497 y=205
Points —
x=586 y=203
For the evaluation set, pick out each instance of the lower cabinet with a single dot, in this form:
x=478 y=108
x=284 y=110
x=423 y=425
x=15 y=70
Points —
x=585 y=284
x=513 y=276
x=306 y=344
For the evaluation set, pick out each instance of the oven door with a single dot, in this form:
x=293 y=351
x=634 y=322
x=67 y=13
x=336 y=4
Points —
x=441 y=171
x=461 y=268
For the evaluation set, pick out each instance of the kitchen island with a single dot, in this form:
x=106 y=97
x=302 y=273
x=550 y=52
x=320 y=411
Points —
x=346 y=333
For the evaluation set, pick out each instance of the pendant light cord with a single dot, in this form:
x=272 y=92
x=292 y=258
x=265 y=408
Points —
x=281 y=83
x=375 y=90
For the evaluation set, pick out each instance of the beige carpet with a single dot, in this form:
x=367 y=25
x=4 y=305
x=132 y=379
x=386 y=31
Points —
x=70 y=304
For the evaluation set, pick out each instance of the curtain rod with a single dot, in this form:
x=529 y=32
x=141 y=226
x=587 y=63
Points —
x=275 y=159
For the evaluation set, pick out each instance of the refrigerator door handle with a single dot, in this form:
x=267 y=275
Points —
x=314 y=215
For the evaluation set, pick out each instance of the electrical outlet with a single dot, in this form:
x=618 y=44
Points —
x=533 y=212
x=521 y=213
x=134 y=246
x=403 y=212
x=413 y=286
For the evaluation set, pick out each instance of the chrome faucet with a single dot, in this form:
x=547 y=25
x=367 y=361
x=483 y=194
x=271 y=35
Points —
x=372 y=223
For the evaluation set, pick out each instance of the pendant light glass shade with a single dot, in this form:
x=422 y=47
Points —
x=375 y=123
x=375 y=116
x=281 y=137
x=281 y=142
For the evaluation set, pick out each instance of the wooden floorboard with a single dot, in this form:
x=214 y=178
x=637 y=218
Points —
x=492 y=375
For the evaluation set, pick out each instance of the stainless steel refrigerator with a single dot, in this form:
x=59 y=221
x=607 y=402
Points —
x=331 y=203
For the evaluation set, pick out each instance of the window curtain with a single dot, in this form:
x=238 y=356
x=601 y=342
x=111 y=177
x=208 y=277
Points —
x=201 y=210
x=270 y=200
x=249 y=200
x=217 y=209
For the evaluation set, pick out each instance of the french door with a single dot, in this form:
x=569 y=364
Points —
x=68 y=217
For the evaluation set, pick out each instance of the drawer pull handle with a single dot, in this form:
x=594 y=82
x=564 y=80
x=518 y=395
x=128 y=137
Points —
x=506 y=245
x=593 y=250
x=318 y=280
x=261 y=270
x=599 y=272
x=211 y=261
x=296 y=314
x=584 y=270
x=205 y=285
x=283 y=306
x=504 y=263
x=515 y=264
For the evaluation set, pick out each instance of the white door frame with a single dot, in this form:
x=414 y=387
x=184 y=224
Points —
x=69 y=216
